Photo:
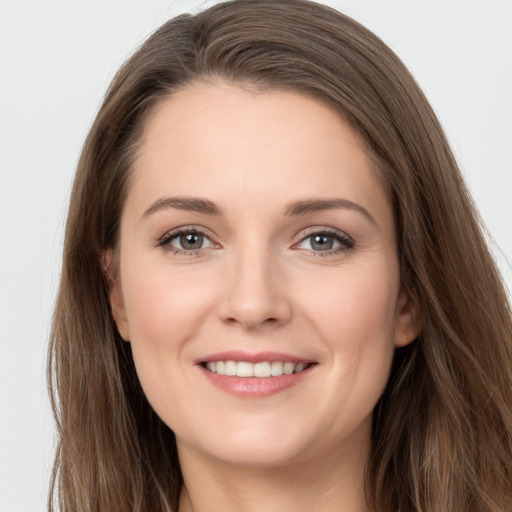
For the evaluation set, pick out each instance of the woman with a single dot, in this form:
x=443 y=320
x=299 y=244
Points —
x=275 y=289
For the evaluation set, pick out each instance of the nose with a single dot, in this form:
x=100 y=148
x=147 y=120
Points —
x=256 y=295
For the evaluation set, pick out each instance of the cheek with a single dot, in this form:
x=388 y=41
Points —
x=353 y=314
x=161 y=303
x=354 y=307
x=165 y=311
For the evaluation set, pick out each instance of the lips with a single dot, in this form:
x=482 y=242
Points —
x=258 y=375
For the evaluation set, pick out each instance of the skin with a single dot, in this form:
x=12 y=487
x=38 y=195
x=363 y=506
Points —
x=258 y=284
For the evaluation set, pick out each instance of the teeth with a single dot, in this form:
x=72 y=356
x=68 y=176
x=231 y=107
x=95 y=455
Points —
x=276 y=368
x=299 y=367
x=230 y=368
x=288 y=368
x=263 y=369
x=244 y=369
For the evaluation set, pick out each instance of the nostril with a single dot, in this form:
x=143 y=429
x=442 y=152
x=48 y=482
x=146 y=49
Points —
x=252 y=321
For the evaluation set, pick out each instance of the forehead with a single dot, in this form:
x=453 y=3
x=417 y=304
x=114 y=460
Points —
x=224 y=141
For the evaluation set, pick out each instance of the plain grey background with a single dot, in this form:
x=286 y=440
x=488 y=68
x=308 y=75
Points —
x=56 y=60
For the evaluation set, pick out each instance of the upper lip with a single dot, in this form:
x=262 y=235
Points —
x=252 y=357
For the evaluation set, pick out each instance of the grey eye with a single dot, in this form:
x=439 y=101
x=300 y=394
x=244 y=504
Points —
x=190 y=241
x=320 y=242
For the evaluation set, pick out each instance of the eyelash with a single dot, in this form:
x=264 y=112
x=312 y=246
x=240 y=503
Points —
x=346 y=243
x=165 y=241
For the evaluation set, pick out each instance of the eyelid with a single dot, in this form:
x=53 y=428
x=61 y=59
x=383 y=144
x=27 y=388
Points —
x=346 y=241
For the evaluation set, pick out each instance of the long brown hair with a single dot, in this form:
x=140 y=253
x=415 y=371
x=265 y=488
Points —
x=442 y=432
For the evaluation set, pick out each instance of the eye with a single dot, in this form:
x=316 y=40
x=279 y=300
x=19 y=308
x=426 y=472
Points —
x=186 y=241
x=326 y=242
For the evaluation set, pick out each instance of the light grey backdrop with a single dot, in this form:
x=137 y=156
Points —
x=56 y=60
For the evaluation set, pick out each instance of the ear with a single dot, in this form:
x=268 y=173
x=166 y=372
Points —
x=111 y=270
x=408 y=319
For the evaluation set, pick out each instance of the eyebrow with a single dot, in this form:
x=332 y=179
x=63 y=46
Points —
x=297 y=208
x=191 y=204
x=317 y=205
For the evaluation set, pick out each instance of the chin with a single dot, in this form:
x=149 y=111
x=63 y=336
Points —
x=269 y=442
x=260 y=453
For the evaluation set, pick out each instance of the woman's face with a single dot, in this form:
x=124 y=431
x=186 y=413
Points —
x=257 y=239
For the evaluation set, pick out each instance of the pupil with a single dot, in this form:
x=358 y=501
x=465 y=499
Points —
x=322 y=242
x=191 y=241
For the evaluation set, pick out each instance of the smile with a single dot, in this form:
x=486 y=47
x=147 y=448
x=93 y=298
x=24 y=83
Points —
x=260 y=369
x=255 y=375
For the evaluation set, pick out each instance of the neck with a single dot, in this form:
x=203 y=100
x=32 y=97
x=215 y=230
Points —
x=330 y=483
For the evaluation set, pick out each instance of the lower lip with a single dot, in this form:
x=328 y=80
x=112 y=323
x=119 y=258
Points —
x=255 y=387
